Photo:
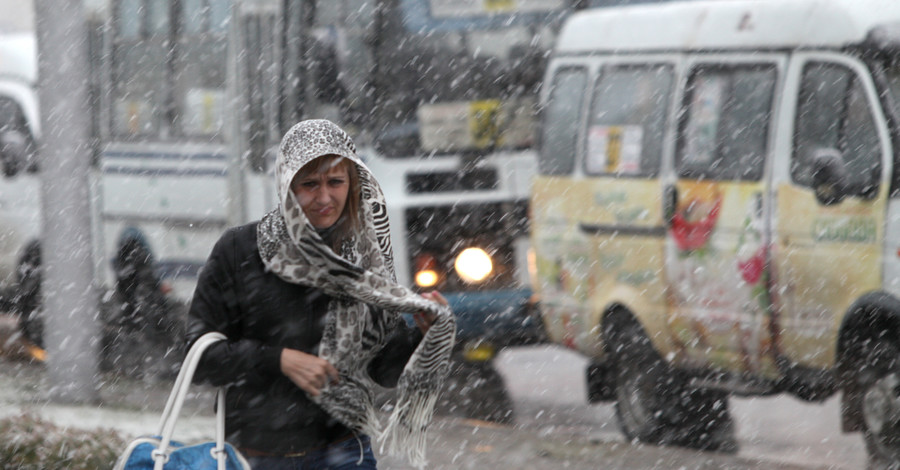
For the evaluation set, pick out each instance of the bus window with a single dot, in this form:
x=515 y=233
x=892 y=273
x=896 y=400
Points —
x=140 y=85
x=344 y=39
x=195 y=17
x=200 y=69
x=260 y=76
x=725 y=124
x=562 y=115
x=459 y=77
x=169 y=76
x=199 y=16
x=833 y=113
x=158 y=16
x=627 y=120
x=129 y=24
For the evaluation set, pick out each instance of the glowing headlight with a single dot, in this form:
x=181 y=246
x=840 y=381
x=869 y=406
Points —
x=426 y=270
x=473 y=265
x=426 y=278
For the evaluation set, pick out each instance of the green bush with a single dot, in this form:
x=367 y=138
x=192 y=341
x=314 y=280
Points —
x=29 y=443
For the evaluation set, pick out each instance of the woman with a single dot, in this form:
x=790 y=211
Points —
x=308 y=300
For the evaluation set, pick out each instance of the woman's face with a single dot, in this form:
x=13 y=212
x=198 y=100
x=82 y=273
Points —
x=323 y=194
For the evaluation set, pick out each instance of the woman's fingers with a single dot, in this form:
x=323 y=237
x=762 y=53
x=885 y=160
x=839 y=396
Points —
x=331 y=373
x=422 y=322
x=425 y=319
x=435 y=296
x=310 y=373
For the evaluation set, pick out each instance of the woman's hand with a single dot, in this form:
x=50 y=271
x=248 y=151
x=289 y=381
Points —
x=424 y=319
x=310 y=373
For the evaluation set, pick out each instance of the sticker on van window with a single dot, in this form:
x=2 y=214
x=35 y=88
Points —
x=705 y=111
x=614 y=149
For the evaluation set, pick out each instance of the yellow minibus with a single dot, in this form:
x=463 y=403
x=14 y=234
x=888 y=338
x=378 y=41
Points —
x=717 y=210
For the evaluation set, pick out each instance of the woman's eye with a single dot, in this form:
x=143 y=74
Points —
x=336 y=182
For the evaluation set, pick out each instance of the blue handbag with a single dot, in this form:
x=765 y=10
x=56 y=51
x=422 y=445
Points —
x=160 y=452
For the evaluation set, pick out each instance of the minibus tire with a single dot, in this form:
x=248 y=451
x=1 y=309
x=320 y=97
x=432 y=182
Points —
x=879 y=379
x=655 y=403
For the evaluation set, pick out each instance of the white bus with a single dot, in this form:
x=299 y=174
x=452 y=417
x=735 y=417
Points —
x=19 y=127
x=168 y=167
x=191 y=98
x=440 y=96
x=176 y=123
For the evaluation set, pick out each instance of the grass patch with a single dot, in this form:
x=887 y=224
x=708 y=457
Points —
x=30 y=443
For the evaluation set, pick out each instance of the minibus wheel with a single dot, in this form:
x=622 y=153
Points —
x=655 y=403
x=880 y=384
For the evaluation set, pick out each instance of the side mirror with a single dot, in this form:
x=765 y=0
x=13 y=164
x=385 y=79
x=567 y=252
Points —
x=829 y=178
x=865 y=184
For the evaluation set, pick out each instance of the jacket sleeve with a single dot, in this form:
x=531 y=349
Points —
x=215 y=307
x=387 y=366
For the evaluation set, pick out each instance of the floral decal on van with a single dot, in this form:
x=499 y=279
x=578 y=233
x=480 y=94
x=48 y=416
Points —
x=696 y=216
x=752 y=268
x=752 y=258
x=717 y=272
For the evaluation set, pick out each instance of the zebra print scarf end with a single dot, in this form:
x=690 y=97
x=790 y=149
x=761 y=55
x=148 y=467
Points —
x=405 y=433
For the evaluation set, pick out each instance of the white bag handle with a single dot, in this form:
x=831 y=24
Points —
x=176 y=399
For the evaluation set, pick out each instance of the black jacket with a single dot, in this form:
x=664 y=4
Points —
x=261 y=314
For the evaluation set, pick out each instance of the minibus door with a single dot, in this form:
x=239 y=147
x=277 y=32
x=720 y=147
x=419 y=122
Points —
x=831 y=192
x=597 y=224
x=621 y=216
x=715 y=257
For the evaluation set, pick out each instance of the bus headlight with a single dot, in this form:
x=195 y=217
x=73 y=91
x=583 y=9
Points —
x=473 y=265
x=426 y=271
x=426 y=278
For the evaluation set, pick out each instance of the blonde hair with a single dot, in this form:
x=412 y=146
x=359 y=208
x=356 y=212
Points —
x=349 y=222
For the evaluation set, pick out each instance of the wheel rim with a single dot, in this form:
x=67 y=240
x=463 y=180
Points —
x=637 y=414
x=638 y=394
x=881 y=414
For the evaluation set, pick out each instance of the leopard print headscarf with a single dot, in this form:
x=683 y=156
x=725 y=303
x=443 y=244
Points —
x=359 y=278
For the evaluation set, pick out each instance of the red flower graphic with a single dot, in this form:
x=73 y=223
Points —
x=752 y=268
x=693 y=234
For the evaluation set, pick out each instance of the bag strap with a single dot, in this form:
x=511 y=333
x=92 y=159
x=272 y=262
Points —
x=176 y=399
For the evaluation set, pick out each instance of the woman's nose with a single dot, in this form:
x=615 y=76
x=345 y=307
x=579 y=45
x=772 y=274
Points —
x=321 y=194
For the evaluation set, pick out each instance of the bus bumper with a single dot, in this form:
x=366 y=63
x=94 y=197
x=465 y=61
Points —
x=494 y=319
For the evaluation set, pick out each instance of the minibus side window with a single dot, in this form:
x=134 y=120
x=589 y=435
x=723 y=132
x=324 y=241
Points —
x=725 y=124
x=560 y=122
x=627 y=121
x=833 y=113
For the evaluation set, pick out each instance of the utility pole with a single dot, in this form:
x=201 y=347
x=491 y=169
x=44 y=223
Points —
x=69 y=299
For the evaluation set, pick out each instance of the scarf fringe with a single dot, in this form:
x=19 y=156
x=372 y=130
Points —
x=405 y=430
x=373 y=423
